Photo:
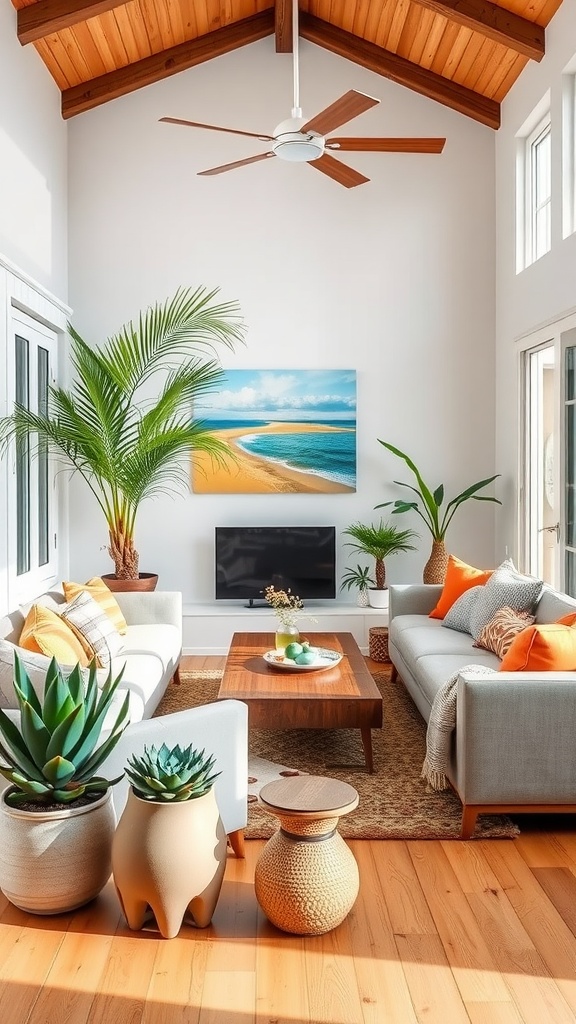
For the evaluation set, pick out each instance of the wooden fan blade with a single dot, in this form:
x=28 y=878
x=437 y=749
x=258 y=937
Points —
x=237 y=163
x=387 y=145
x=348 y=106
x=216 y=128
x=341 y=173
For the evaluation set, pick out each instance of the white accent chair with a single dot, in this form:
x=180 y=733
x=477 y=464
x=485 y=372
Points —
x=222 y=730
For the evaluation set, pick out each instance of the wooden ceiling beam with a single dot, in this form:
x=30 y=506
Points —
x=501 y=26
x=283 y=25
x=46 y=16
x=169 y=62
x=400 y=70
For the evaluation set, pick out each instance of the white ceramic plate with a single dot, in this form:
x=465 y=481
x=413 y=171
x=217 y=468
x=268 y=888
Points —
x=325 y=659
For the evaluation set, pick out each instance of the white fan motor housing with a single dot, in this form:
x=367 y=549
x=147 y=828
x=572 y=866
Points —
x=292 y=144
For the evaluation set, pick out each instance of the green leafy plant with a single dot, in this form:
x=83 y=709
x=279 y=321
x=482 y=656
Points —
x=175 y=774
x=429 y=503
x=52 y=757
x=126 y=446
x=359 y=577
x=379 y=540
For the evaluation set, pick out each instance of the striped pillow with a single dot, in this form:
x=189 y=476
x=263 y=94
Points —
x=93 y=628
x=100 y=592
x=498 y=634
x=45 y=632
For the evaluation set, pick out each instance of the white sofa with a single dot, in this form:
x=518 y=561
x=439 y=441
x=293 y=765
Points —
x=150 y=655
x=150 y=652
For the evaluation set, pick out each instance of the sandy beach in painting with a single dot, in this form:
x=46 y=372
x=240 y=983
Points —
x=250 y=474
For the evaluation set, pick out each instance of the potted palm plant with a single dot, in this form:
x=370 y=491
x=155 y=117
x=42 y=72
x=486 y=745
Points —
x=429 y=505
x=127 y=445
x=379 y=540
x=169 y=851
x=57 y=818
x=358 y=576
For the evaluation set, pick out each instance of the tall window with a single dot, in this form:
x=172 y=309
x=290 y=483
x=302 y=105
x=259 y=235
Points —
x=32 y=499
x=538 y=192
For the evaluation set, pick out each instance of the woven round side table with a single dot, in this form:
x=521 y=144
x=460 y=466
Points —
x=306 y=877
x=378 y=643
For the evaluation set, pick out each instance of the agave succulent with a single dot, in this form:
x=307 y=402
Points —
x=52 y=757
x=175 y=774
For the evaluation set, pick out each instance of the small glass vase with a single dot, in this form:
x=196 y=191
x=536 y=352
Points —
x=285 y=635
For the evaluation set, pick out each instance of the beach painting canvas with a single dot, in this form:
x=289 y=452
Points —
x=288 y=431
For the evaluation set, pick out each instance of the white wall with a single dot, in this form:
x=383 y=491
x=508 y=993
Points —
x=33 y=156
x=393 y=279
x=33 y=210
x=547 y=289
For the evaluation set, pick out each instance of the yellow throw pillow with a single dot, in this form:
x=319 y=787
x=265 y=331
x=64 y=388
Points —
x=45 y=632
x=105 y=598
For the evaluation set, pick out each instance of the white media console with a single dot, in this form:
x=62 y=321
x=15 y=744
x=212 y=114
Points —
x=208 y=628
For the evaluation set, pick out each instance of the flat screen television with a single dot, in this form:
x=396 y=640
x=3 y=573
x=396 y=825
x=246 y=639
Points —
x=249 y=558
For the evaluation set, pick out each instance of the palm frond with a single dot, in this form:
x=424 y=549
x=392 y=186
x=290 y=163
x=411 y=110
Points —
x=168 y=330
x=130 y=446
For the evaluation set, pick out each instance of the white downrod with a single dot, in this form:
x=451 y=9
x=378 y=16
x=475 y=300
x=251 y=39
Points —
x=296 y=109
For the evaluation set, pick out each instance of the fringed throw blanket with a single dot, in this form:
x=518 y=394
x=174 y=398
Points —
x=440 y=725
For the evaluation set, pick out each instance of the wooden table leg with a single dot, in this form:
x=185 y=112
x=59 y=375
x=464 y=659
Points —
x=367 y=744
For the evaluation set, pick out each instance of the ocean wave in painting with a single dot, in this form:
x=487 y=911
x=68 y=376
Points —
x=330 y=454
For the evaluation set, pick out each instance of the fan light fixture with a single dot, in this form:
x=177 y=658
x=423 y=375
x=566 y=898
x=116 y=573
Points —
x=299 y=140
x=292 y=144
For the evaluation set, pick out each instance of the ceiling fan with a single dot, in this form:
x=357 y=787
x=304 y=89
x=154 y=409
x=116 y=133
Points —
x=300 y=140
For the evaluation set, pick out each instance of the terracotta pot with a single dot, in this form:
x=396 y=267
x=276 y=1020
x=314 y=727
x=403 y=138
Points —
x=55 y=861
x=146 y=581
x=435 y=568
x=169 y=857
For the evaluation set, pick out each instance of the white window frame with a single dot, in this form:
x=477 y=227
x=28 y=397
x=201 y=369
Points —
x=542 y=131
x=21 y=294
x=34 y=579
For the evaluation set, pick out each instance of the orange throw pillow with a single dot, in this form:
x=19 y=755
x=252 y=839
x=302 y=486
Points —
x=568 y=620
x=548 y=647
x=460 y=577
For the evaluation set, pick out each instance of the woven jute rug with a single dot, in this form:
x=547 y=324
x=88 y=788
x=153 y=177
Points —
x=395 y=802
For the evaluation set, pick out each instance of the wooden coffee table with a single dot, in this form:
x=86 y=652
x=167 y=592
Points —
x=343 y=697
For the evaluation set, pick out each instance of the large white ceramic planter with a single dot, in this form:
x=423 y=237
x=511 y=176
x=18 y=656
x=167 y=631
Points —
x=169 y=857
x=55 y=861
x=378 y=598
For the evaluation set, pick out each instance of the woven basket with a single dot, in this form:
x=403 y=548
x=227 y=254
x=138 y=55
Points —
x=378 y=643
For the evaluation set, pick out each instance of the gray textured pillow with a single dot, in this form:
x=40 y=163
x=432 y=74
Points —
x=506 y=586
x=459 y=615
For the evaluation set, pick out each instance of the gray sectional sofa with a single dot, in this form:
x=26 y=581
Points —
x=514 y=745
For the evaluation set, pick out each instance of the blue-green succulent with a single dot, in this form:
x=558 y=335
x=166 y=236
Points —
x=176 y=774
x=52 y=756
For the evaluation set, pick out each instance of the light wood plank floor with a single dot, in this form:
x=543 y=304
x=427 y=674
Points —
x=441 y=933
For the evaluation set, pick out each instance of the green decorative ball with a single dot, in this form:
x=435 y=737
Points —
x=293 y=650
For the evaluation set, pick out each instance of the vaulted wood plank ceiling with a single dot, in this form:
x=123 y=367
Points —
x=466 y=54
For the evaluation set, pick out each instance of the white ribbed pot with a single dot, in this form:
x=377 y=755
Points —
x=378 y=598
x=55 y=861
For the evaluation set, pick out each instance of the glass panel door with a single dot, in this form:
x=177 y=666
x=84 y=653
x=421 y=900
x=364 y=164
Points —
x=569 y=461
x=542 y=524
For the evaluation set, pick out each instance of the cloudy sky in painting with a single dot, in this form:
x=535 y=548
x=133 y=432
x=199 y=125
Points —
x=283 y=394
